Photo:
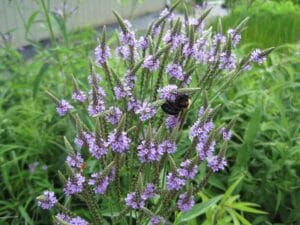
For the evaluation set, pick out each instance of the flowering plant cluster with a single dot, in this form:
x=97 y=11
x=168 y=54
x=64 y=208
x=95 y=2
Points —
x=126 y=158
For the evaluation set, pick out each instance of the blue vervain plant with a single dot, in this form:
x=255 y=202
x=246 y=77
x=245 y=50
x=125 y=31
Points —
x=123 y=162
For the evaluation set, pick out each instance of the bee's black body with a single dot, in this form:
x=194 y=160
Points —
x=174 y=108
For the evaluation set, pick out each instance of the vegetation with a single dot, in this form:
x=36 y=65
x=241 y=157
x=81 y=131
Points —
x=266 y=141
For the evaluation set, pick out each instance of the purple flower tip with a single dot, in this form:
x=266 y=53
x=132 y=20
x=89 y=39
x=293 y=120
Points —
x=48 y=200
x=63 y=107
x=185 y=202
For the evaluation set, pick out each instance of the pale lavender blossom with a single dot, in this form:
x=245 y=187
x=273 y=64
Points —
x=167 y=146
x=227 y=61
x=123 y=52
x=169 y=92
x=47 y=201
x=148 y=152
x=79 y=96
x=146 y=111
x=63 y=217
x=102 y=53
x=174 y=182
x=143 y=43
x=185 y=202
x=187 y=169
x=97 y=146
x=127 y=23
x=205 y=150
x=79 y=141
x=155 y=31
x=134 y=201
x=149 y=192
x=201 y=130
x=216 y=163
x=122 y=92
x=129 y=80
x=175 y=70
x=74 y=184
x=97 y=104
x=157 y=220
x=151 y=63
x=226 y=134
x=32 y=166
x=74 y=161
x=167 y=14
x=114 y=115
x=127 y=38
x=257 y=56
x=235 y=37
x=78 y=221
x=99 y=182
x=219 y=39
x=175 y=40
x=171 y=121
x=91 y=78
x=133 y=104
x=118 y=141
x=63 y=107
x=188 y=50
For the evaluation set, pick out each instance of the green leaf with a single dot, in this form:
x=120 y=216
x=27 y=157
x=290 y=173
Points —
x=30 y=21
x=37 y=80
x=231 y=189
x=25 y=215
x=245 y=208
x=197 y=210
x=241 y=218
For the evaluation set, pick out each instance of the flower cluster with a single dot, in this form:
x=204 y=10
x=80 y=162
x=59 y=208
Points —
x=131 y=126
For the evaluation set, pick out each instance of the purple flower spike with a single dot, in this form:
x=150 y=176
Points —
x=174 y=182
x=205 y=150
x=79 y=96
x=216 y=163
x=78 y=221
x=185 y=202
x=146 y=111
x=151 y=63
x=102 y=53
x=227 y=61
x=123 y=52
x=97 y=104
x=157 y=220
x=167 y=146
x=63 y=107
x=134 y=201
x=127 y=38
x=97 y=147
x=235 y=37
x=75 y=161
x=74 y=185
x=48 y=200
x=219 y=38
x=187 y=169
x=122 y=92
x=149 y=192
x=119 y=142
x=257 y=56
x=171 y=122
x=175 y=70
x=226 y=134
x=142 y=43
x=114 y=115
x=148 y=152
x=169 y=92
x=100 y=183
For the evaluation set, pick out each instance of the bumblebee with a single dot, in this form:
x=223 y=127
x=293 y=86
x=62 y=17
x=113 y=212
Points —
x=181 y=102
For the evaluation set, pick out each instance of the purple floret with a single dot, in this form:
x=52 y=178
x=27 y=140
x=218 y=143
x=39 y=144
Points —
x=75 y=161
x=175 y=182
x=167 y=146
x=175 y=71
x=148 y=152
x=114 y=115
x=134 y=201
x=63 y=107
x=146 y=111
x=169 y=92
x=74 y=184
x=151 y=63
x=118 y=141
x=185 y=202
x=216 y=163
x=48 y=200
x=79 y=96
